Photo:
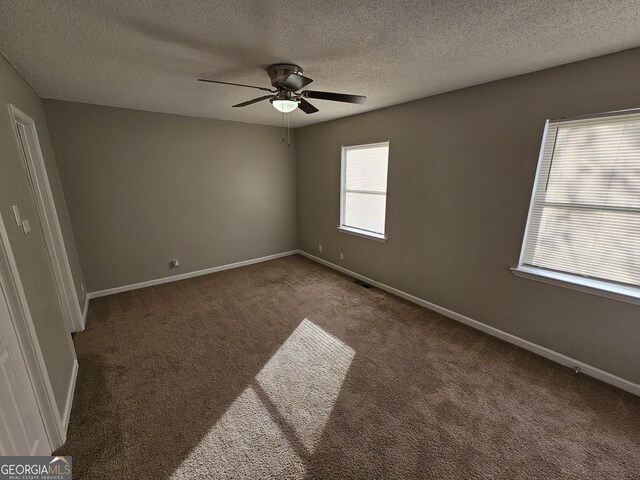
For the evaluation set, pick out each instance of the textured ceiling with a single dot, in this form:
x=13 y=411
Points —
x=147 y=54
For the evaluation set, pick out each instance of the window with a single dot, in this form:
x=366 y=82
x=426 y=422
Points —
x=584 y=220
x=364 y=189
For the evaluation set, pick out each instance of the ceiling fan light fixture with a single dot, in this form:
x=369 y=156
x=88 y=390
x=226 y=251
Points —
x=287 y=82
x=284 y=105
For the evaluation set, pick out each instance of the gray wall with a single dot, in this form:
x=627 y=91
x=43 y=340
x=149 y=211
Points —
x=30 y=250
x=461 y=171
x=143 y=188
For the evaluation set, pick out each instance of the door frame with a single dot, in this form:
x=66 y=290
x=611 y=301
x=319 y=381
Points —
x=54 y=424
x=39 y=180
x=23 y=386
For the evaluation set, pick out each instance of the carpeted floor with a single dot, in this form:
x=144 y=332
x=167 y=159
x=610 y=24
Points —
x=286 y=369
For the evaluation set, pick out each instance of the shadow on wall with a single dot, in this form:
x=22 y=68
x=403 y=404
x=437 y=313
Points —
x=218 y=377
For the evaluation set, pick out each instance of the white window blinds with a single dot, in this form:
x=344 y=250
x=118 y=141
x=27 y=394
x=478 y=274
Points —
x=585 y=213
x=364 y=187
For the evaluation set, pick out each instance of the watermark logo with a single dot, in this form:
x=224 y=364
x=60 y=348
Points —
x=35 y=468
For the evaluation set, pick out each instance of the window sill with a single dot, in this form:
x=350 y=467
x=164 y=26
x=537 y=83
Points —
x=601 y=288
x=363 y=233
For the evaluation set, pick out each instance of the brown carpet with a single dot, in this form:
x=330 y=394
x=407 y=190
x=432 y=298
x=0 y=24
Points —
x=287 y=369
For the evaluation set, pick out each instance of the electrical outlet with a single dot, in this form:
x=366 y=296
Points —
x=320 y=247
x=341 y=256
x=26 y=226
x=174 y=263
x=84 y=290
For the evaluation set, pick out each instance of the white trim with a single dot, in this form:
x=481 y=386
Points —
x=601 y=288
x=507 y=337
x=366 y=145
x=536 y=179
x=343 y=157
x=27 y=408
x=378 y=237
x=85 y=310
x=37 y=172
x=588 y=116
x=69 y=401
x=183 y=276
x=27 y=337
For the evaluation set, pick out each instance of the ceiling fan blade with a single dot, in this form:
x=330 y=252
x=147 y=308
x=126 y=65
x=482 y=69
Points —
x=306 y=107
x=255 y=100
x=237 y=85
x=336 y=97
x=295 y=81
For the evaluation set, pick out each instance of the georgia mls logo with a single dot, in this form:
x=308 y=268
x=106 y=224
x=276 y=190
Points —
x=35 y=468
x=62 y=462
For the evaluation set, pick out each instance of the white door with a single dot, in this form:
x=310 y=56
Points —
x=21 y=427
x=36 y=173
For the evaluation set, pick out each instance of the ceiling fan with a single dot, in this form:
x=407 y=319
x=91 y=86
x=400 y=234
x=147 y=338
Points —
x=287 y=81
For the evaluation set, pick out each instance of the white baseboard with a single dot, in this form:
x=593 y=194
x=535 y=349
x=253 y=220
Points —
x=183 y=276
x=507 y=337
x=69 y=402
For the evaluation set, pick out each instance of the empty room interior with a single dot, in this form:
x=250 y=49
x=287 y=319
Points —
x=320 y=240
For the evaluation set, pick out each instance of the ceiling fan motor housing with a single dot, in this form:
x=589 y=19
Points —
x=279 y=72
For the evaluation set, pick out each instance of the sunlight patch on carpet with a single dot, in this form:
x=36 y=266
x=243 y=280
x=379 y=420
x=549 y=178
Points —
x=303 y=380
x=274 y=426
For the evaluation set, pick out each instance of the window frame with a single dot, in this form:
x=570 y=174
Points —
x=604 y=288
x=380 y=237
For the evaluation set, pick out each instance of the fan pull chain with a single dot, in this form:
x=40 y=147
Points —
x=288 y=132
x=283 y=126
